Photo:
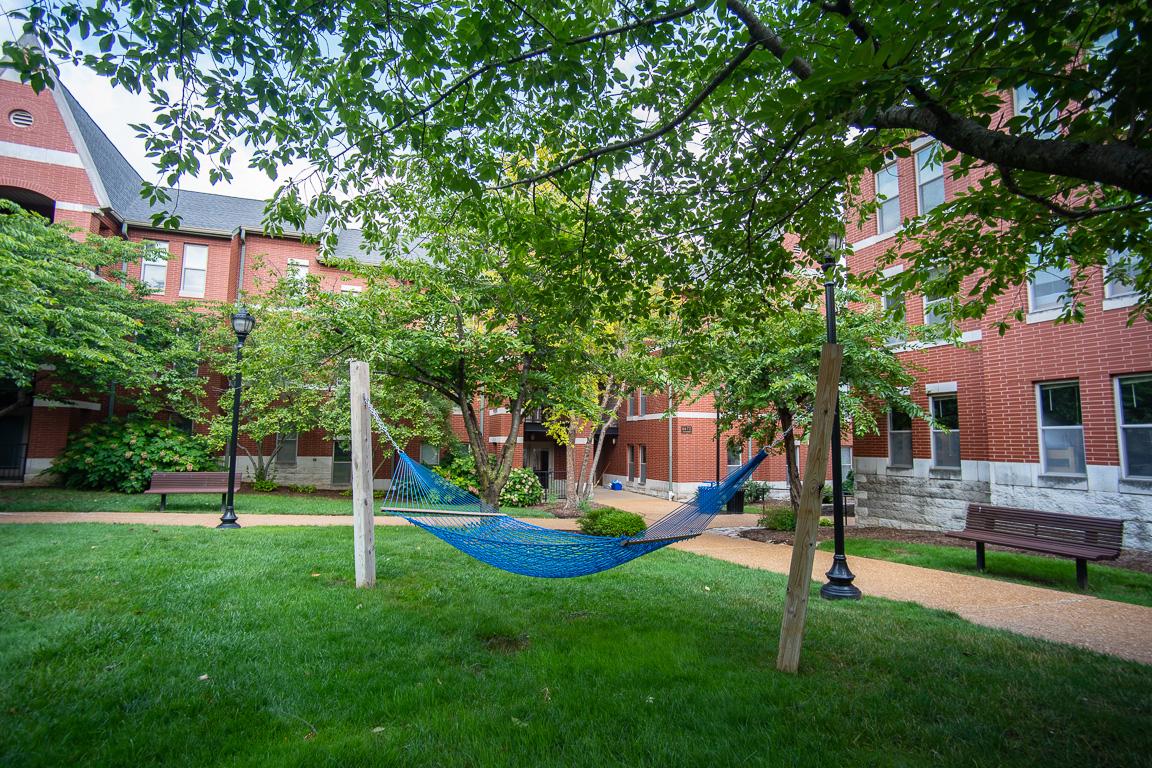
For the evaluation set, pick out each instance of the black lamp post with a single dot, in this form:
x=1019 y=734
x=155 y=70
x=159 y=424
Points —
x=840 y=577
x=242 y=324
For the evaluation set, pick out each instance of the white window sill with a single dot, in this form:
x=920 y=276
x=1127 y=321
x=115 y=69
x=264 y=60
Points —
x=1138 y=485
x=1044 y=315
x=186 y=295
x=1120 y=302
x=873 y=239
x=1064 y=482
x=945 y=473
x=893 y=469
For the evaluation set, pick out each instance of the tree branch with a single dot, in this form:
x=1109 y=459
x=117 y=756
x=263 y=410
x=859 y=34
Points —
x=1072 y=214
x=1118 y=165
x=652 y=135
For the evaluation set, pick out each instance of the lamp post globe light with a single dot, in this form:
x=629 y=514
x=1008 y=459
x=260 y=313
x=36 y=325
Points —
x=242 y=324
x=840 y=577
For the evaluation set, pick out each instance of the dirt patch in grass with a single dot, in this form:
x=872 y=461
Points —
x=1129 y=559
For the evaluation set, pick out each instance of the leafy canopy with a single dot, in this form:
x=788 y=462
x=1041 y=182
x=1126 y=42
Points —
x=75 y=325
x=712 y=126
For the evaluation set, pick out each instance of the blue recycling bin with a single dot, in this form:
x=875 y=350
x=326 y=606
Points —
x=616 y=485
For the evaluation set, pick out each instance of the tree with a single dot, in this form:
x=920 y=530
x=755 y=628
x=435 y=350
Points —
x=763 y=364
x=295 y=377
x=76 y=326
x=619 y=357
x=721 y=124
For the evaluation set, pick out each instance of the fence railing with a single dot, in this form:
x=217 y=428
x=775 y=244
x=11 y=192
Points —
x=12 y=461
x=555 y=484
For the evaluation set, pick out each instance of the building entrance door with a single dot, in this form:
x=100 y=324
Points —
x=13 y=440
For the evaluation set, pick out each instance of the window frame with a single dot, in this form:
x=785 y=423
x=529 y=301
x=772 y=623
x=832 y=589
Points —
x=880 y=216
x=1121 y=426
x=1111 y=284
x=932 y=399
x=153 y=258
x=433 y=449
x=641 y=403
x=921 y=183
x=642 y=463
x=286 y=438
x=729 y=465
x=631 y=461
x=1024 y=110
x=297 y=270
x=891 y=433
x=1039 y=389
x=185 y=269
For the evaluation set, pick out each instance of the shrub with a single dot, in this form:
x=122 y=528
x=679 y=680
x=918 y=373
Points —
x=756 y=491
x=460 y=470
x=850 y=483
x=780 y=518
x=826 y=493
x=609 y=521
x=302 y=488
x=264 y=486
x=121 y=455
x=522 y=489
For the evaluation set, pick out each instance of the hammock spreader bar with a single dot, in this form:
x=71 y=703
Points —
x=476 y=528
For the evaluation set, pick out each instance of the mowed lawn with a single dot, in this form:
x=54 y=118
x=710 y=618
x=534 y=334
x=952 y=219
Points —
x=247 y=503
x=130 y=645
x=1059 y=573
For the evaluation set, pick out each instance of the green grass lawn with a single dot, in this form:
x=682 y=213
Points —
x=129 y=646
x=248 y=503
x=1121 y=584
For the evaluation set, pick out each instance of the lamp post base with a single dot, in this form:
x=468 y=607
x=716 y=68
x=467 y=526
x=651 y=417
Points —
x=228 y=519
x=840 y=578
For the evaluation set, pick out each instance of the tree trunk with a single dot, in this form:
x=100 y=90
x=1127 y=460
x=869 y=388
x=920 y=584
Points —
x=787 y=424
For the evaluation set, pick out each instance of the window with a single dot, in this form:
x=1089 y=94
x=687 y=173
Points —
x=1134 y=401
x=929 y=178
x=154 y=268
x=899 y=439
x=1061 y=428
x=342 y=461
x=297 y=270
x=351 y=289
x=945 y=431
x=935 y=309
x=641 y=403
x=193 y=277
x=288 y=443
x=1024 y=104
x=631 y=403
x=1047 y=287
x=642 y=469
x=21 y=118
x=893 y=305
x=735 y=458
x=888 y=192
x=429 y=455
x=631 y=463
x=1119 y=275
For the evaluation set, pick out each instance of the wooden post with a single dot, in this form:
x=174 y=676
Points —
x=808 y=520
x=363 y=521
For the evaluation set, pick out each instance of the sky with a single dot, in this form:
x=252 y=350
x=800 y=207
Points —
x=114 y=109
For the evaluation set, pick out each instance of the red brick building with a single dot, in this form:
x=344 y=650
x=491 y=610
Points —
x=1053 y=417
x=56 y=160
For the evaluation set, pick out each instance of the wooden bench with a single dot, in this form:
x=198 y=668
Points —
x=1075 y=536
x=165 y=483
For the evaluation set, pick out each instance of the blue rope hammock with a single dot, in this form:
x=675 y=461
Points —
x=476 y=528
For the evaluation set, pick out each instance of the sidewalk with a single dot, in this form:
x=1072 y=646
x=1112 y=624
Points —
x=1105 y=626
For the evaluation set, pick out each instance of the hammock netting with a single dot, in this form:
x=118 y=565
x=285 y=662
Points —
x=465 y=521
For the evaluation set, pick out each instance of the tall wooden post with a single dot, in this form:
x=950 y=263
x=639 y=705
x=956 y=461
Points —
x=808 y=521
x=363 y=521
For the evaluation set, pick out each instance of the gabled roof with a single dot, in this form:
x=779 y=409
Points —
x=198 y=211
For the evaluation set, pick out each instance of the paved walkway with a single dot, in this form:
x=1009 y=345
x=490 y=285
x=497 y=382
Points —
x=1109 y=627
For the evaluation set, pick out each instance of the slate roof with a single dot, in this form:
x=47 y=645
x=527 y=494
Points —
x=201 y=211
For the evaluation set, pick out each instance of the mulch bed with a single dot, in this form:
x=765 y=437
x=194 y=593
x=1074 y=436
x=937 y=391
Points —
x=1129 y=559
